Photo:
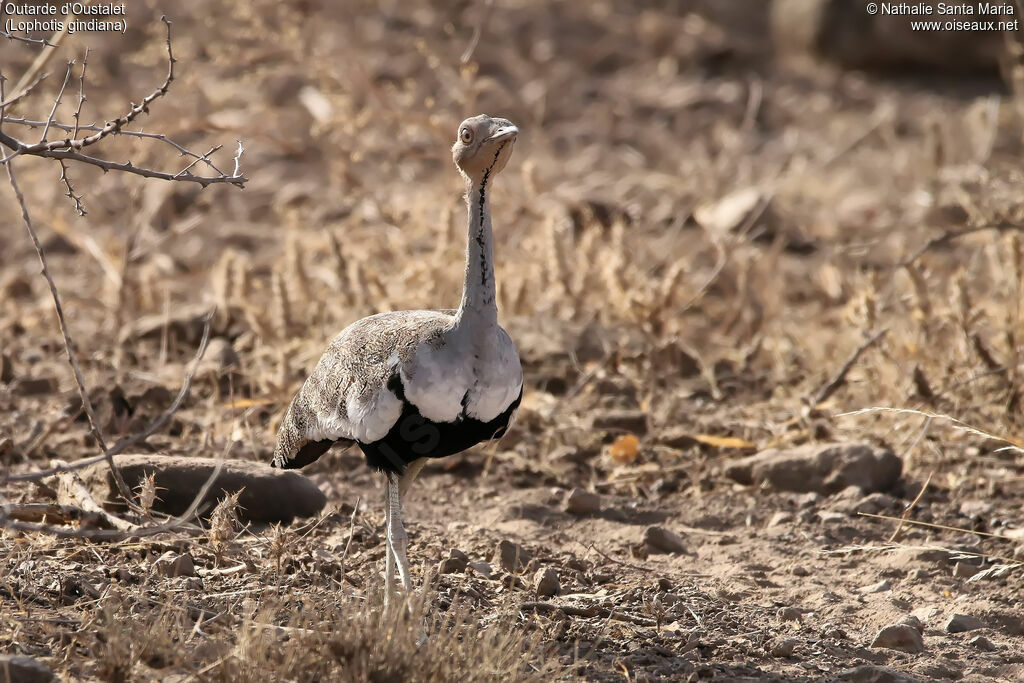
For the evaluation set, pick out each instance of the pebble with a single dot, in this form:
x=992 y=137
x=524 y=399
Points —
x=800 y=570
x=34 y=386
x=582 y=502
x=546 y=582
x=779 y=518
x=511 y=556
x=919 y=575
x=982 y=643
x=880 y=587
x=23 y=669
x=171 y=564
x=482 y=568
x=899 y=637
x=785 y=648
x=789 y=614
x=963 y=570
x=959 y=623
x=660 y=539
x=455 y=563
x=913 y=622
x=6 y=368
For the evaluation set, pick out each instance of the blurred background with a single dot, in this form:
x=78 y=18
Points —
x=711 y=205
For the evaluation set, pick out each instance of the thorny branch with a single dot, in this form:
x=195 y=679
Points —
x=70 y=148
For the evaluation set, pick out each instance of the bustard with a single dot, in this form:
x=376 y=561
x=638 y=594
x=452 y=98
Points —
x=410 y=385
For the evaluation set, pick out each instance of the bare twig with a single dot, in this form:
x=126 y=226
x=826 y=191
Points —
x=840 y=377
x=68 y=344
x=125 y=444
x=951 y=235
x=478 y=31
x=910 y=508
x=56 y=101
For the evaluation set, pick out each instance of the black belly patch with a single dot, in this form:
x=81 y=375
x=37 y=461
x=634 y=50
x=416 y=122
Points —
x=413 y=436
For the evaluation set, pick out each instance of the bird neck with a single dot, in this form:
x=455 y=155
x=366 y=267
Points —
x=478 y=309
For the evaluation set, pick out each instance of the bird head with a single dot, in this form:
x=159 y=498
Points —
x=483 y=145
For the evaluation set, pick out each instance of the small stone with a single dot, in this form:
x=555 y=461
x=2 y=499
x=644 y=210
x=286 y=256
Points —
x=831 y=517
x=913 y=622
x=23 y=669
x=581 y=502
x=919 y=575
x=789 y=614
x=785 y=647
x=660 y=539
x=482 y=568
x=982 y=643
x=959 y=623
x=976 y=508
x=6 y=368
x=171 y=565
x=631 y=421
x=963 y=570
x=874 y=504
x=880 y=587
x=779 y=518
x=455 y=563
x=899 y=637
x=806 y=500
x=512 y=557
x=546 y=582
x=34 y=386
x=800 y=570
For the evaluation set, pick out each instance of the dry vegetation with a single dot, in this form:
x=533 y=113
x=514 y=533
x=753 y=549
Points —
x=686 y=232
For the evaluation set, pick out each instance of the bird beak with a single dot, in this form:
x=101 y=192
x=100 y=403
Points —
x=504 y=133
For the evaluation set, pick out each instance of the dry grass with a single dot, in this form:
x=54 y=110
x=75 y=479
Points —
x=878 y=205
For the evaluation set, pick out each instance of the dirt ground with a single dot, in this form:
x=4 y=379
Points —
x=693 y=239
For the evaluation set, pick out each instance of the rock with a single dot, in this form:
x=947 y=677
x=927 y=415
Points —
x=832 y=517
x=789 y=614
x=482 y=568
x=785 y=647
x=172 y=565
x=880 y=587
x=455 y=563
x=964 y=570
x=23 y=669
x=913 y=622
x=660 y=539
x=919 y=575
x=546 y=582
x=874 y=504
x=581 y=502
x=899 y=637
x=800 y=570
x=6 y=369
x=268 y=494
x=724 y=215
x=220 y=358
x=779 y=518
x=512 y=557
x=982 y=643
x=34 y=386
x=872 y=673
x=818 y=468
x=959 y=623
x=976 y=508
x=632 y=421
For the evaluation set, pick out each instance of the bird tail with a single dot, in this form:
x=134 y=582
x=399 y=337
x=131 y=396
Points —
x=293 y=450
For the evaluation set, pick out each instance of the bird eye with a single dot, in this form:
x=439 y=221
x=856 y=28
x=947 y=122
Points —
x=466 y=135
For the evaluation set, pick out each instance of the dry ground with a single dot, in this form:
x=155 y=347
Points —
x=624 y=291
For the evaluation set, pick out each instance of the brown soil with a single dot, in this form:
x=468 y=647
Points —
x=636 y=308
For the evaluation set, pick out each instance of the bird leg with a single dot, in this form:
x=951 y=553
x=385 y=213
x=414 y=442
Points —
x=389 y=569
x=397 y=538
